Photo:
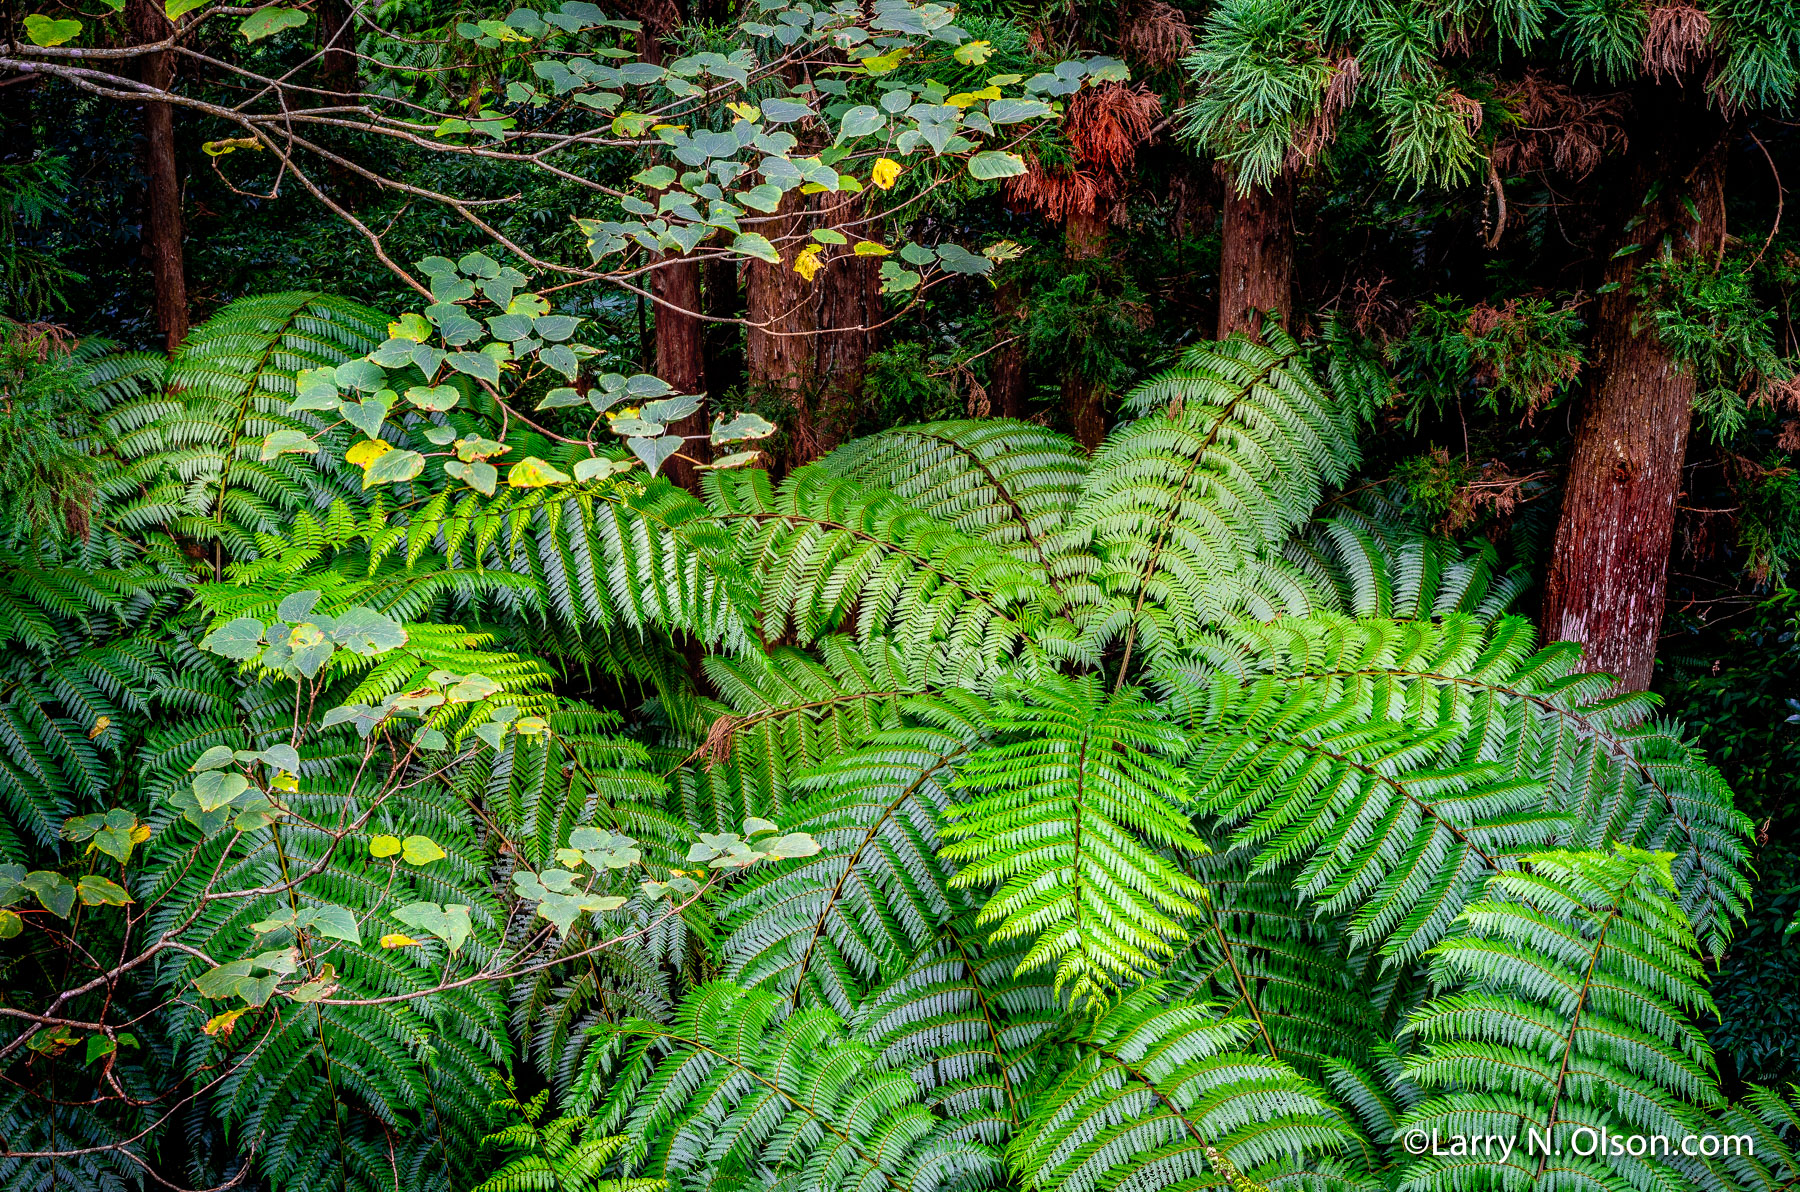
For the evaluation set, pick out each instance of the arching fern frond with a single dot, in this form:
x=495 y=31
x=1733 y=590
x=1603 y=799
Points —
x=1157 y=1088
x=728 y=1095
x=877 y=891
x=1567 y=1003
x=1068 y=811
x=1188 y=505
x=1604 y=765
x=1008 y=482
x=830 y=555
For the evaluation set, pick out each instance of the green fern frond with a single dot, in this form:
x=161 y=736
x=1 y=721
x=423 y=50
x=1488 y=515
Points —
x=1068 y=811
x=727 y=1090
x=1566 y=1003
x=1154 y=1086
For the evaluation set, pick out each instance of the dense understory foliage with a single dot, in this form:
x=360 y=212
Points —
x=959 y=811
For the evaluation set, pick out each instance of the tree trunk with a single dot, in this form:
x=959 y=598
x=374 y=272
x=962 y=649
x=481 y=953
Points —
x=1605 y=588
x=162 y=235
x=723 y=292
x=849 y=309
x=681 y=356
x=781 y=307
x=1256 y=256
x=1084 y=238
x=1006 y=375
x=337 y=36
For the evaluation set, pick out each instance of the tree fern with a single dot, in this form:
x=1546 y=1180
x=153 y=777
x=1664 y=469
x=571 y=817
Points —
x=1187 y=506
x=877 y=892
x=197 y=446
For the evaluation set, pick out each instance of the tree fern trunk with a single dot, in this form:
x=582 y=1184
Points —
x=162 y=234
x=1606 y=583
x=1256 y=256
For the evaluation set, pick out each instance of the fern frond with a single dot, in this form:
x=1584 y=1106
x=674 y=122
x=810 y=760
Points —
x=1067 y=812
x=1154 y=1086
x=1566 y=1003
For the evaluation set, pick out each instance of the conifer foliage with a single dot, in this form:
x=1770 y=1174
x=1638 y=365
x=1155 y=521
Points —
x=983 y=814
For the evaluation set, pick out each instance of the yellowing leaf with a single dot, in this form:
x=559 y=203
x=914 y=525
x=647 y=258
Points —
x=410 y=326
x=886 y=171
x=974 y=53
x=384 y=846
x=868 y=248
x=886 y=63
x=222 y=1024
x=100 y=726
x=140 y=834
x=367 y=452
x=807 y=264
x=420 y=850
x=45 y=31
x=397 y=940
x=228 y=145
x=745 y=111
x=532 y=472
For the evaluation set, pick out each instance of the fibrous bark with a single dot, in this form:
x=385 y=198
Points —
x=1605 y=587
x=162 y=235
x=1256 y=255
x=1084 y=238
x=681 y=356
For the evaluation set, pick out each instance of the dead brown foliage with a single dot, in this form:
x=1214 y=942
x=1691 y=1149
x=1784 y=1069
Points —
x=1104 y=126
x=1156 y=35
x=1677 y=38
x=1559 y=129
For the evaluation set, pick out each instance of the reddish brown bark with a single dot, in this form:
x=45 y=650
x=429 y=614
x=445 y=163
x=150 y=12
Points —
x=1084 y=238
x=162 y=235
x=337 y=37
x=849 y=312
x=681 y=356
x=1256 y=256
x=778 y=346
x=1605 y=587
x=1006 y=374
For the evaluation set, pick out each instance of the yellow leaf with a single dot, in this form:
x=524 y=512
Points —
x=868 y=248
x=886 y=63
x=222 y=1024
x=140 y=834
x=532 y=472
x=808 y=264
x=286 y=783
x=221 y=148
x=746 y=111
x=100 y=726
x=367 y=452
x=885 y=172
x=384 y=846
x=396 y=940
x=974 y=53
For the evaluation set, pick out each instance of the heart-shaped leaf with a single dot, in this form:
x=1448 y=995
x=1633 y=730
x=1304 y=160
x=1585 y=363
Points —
x=655 y=451
x=267 y=21
x=420 y=850
x=44 y=31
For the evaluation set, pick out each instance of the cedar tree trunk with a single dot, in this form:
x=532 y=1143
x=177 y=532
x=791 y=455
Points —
x=1256 y=256
x=849 y=309
x=1084 y=238
x=162 y=223
x=1606 y=583
x=681 y=356
x=337 y=34
x=1006 y=375
x=781 y=307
